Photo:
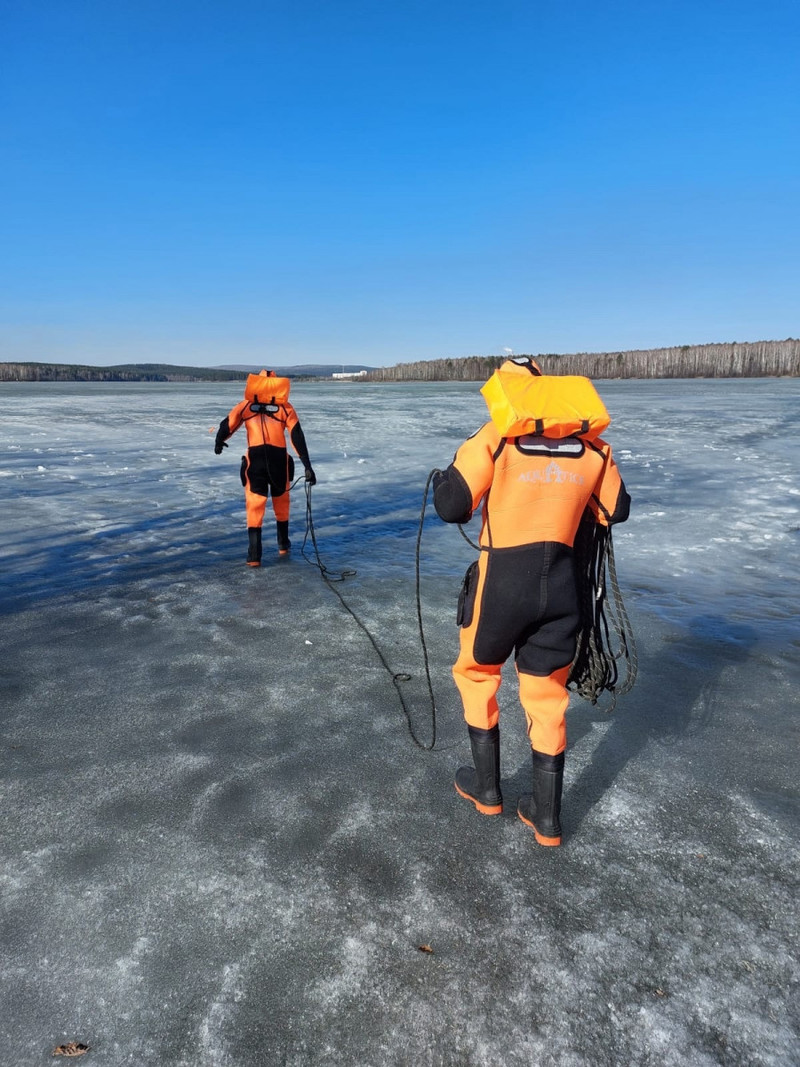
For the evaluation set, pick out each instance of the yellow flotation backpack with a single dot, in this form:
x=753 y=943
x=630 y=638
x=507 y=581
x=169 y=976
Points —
x=522 y=400
x=267 y=388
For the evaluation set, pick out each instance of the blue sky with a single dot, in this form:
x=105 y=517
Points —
x=290 y=182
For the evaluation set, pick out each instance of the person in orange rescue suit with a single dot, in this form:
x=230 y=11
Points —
x=267 y=469
x=534 y=469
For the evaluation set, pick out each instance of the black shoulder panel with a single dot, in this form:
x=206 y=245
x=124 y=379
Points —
x=623 y=507
x=452 y=497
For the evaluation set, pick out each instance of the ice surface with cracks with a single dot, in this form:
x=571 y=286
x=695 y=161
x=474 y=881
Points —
x=219 y=845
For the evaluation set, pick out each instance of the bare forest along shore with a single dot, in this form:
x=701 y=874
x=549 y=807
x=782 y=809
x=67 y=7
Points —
x=749 y=359
x=757 y=359
x=128 y=372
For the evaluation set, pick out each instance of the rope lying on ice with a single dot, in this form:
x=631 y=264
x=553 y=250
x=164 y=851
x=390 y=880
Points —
x=604 y=636
x=331 y=578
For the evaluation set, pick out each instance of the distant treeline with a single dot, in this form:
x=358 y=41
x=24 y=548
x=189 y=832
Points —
x=131 y=372
x=757 y=359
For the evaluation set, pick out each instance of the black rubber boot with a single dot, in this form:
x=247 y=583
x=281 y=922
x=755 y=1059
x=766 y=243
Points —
x=481 y=785
x=254 y=546
x=284 y=544
x=542 y=809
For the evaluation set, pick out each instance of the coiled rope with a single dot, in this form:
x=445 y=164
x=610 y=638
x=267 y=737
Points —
x=604 y=636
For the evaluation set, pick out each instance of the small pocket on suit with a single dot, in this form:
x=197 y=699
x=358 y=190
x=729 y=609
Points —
x=466 y=596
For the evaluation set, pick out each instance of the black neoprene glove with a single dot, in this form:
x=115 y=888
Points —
x=311 y=478
x=218 y=447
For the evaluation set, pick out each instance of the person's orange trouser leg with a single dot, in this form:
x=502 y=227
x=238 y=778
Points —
x=255 y=505
x=477 y=682
x=545 y=700
x=280 y=505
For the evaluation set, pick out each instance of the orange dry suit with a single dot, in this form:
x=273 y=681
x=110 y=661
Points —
x=267 y=469
x=536 y=468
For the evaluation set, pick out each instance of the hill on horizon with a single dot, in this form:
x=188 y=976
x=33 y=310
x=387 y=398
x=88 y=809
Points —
x=156 y=372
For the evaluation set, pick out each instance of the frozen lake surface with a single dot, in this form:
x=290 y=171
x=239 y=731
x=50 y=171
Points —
x=220 y=846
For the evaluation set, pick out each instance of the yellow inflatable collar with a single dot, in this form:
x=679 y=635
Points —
x=266 y=388
x=551 y=405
